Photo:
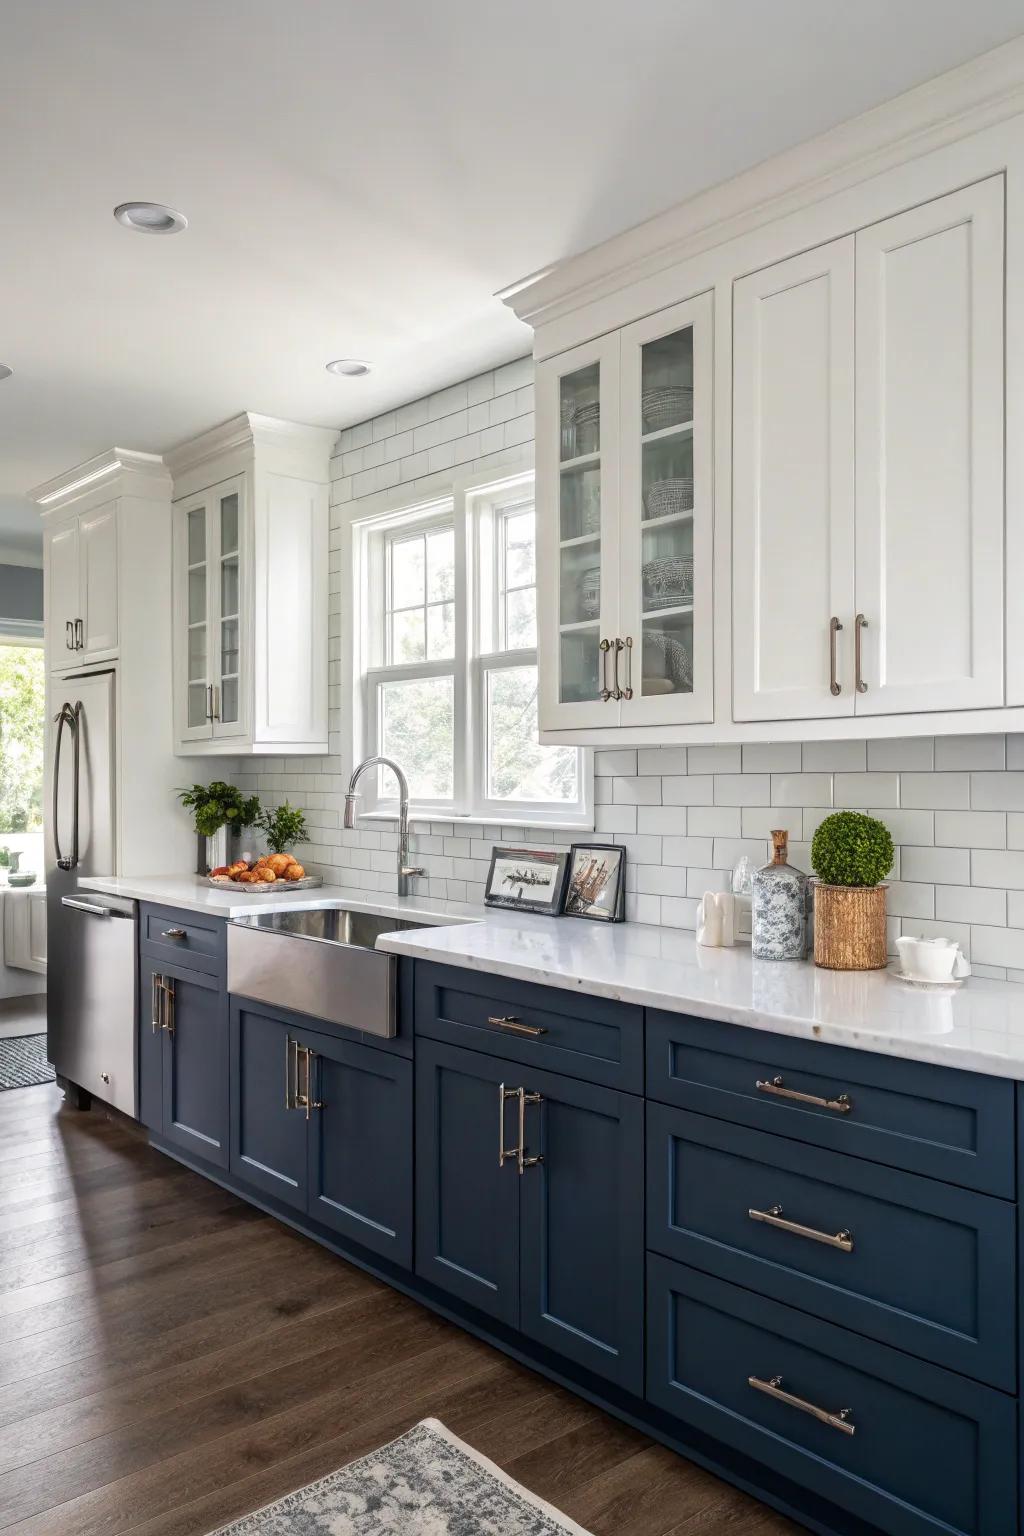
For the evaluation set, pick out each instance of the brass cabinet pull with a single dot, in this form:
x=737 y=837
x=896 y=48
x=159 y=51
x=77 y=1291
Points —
x=835 y=686
x=773 y=1217
x=155 y=997
x=606 y=693
x=510 y=1022
x=69 y=636
x=627 y=692
x=522 y=1161
x=773 y=1388
x=79 y=634
x=505 y=1153
x=842 y=1104
x=290 y=1077
x=216 y=702
x=860 y=625
x=174 y=933
x=209 y=701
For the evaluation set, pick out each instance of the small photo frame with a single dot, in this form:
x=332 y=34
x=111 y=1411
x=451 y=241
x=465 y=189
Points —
x=597 y=882
x=526 y=880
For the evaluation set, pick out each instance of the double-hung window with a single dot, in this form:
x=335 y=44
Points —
x=446 y=659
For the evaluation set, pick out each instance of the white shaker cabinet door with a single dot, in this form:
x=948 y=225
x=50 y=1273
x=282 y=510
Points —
x=98 y=544
x=930 y=455
x=62 y=595
x=793 y=487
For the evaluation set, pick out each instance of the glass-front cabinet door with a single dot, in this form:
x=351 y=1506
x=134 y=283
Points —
x=208 y=553
x=577 y=489
x=665 y=539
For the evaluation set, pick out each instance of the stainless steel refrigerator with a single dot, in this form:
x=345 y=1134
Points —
x=90 y=1003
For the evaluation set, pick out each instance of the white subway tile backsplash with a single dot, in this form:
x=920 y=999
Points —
x=714 y=759
x=997 y=791
x=742 y=789
x=905 y=754
x=865 y=791
x=771 y=757
x=801 y=789
x=943 y=866
x=954 y=804
x=970 y=829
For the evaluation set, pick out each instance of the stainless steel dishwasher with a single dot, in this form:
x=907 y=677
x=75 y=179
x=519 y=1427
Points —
x=92 y=1035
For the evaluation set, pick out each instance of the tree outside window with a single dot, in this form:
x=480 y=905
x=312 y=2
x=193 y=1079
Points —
x=22 y=715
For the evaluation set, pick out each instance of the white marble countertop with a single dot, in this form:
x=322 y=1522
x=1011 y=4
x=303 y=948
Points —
x=979 y=1027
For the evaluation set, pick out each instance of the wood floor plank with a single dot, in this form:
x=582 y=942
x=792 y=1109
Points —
x=172 y=1359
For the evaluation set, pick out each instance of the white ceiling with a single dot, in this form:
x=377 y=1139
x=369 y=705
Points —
x=360 y=176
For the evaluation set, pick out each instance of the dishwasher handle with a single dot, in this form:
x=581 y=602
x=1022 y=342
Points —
x=92 y=907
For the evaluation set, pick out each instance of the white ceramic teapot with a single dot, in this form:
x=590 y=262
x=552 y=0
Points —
x=932 y=959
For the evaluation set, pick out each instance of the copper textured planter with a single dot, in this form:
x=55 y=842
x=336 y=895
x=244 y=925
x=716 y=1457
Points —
x=849 y=927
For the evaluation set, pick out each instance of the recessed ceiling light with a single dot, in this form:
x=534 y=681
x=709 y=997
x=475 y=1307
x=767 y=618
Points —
x=5 y=372
x=348 y=367
x=150 y=218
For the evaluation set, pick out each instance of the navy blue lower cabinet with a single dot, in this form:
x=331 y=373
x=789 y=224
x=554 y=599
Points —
x=467 y=1229
x=268 y=1131
x=186 y=1011
x=924 y=1266
x=581 y=1223
x=911 y=1449
x=360 y=1144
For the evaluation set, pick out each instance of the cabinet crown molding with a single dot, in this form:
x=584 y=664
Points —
x=117 y=472
x=247 y=431
x=975 y=95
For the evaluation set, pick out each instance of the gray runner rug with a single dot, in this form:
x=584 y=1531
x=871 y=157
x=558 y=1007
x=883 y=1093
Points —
x=23 y=1062
x=427 y=1483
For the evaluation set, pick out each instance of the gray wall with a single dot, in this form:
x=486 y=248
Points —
x=21 y=594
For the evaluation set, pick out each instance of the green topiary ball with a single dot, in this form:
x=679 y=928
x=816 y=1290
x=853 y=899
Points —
x=850 y=848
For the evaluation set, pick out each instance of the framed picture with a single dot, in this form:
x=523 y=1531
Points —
x=597 y=882
x=526 y=880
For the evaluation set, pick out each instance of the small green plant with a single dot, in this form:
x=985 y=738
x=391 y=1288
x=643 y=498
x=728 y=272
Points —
x=219 y=805
x=283 y=827
x=850 y=848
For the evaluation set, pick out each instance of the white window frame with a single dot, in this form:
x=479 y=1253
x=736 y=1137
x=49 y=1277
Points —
x=473 y=510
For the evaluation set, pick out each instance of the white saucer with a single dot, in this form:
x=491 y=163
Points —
x=924 y=982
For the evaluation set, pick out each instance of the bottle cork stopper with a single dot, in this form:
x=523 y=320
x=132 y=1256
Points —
x=780 y=840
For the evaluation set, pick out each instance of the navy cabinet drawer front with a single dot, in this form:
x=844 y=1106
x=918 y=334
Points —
x=929 y=1451
x=920 y=1265
x=954 y=1126
x=184 y=938
x=584 y=1037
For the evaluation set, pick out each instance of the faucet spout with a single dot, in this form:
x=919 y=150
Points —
x=405 y=871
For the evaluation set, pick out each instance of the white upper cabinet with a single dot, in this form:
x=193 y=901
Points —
x=868 y=565
x=930 y=566
x=793 y=487
x=81 y=576
x=624 y=532
x=250 y=552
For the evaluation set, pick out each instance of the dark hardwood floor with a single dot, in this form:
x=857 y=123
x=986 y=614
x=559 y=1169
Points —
x=171 y=1359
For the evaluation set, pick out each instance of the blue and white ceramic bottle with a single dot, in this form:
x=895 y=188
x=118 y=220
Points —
x=780 y=907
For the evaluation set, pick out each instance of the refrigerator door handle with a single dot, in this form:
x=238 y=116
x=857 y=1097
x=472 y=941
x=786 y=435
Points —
x=70 y=716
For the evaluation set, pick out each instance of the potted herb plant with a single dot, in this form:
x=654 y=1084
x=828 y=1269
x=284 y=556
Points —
x=851 y=854
x=283 y=827
x=219 y=810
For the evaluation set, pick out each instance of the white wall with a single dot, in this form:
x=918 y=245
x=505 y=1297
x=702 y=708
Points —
x=954 y=805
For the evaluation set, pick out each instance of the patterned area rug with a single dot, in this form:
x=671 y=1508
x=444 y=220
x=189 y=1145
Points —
x=427 y=1483
x=23 y=1062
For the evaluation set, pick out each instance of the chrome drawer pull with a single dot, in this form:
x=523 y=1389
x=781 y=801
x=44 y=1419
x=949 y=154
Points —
x=522 y=1161
x=509 y=1021
x=842 y=1104
x=773 y=1388
x=772 y=1217
x=174 y=933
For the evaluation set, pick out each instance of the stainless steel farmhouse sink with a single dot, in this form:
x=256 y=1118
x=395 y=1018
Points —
x=320 y=961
